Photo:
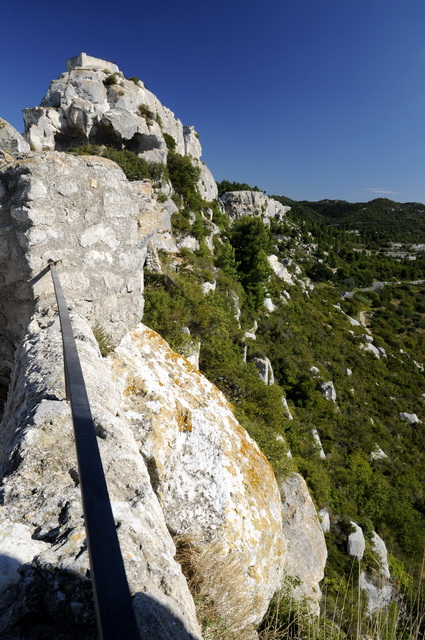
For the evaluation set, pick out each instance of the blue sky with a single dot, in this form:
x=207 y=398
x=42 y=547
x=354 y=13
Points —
x=307 y=98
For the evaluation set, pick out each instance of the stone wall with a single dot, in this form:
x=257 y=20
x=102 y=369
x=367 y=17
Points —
x=82 y=212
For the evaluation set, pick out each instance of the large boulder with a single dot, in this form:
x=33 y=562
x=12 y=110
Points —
x=213 y=483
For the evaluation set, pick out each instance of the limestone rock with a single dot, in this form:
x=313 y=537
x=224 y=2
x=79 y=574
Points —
x=280 y=270
x=265 y=370
x=268 y=304
x=378 y=454
x=376 y=584
x=286 y=409
x=214 y=485
x=41 y=523
x=251 y=203
x=327 y=390
x=325 y=521
x=307 y=553
x=356 y=544
x=82 y=212
x=10 y=140
x=410 y=418
x=92 y=102
x=316 y=437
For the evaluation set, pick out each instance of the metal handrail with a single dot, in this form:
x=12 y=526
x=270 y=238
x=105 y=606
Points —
x=114 y=611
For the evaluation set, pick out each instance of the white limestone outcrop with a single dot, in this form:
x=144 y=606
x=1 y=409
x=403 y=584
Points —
x=376 y=583
x=251 y=203
x=356 y=543
x=307 y=552
x=92 y=102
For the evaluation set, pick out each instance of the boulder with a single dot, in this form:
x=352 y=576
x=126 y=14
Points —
x=307 y=552
x=356 y=543
x=281 y=271
x=214 y=485
x=325 y=521
x=410 y=418
x=327 y=390
x=265 y=370
x=316 y=437
x=376 y=583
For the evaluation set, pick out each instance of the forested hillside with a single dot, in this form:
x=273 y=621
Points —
x=366 y=462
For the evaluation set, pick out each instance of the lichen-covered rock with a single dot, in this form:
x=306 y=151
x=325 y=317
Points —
x=44 y=555
x=251 y=203
x=213 y=483
x=307 y=553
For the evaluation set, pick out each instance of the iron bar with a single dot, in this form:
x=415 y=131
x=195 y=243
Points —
x=114 y=611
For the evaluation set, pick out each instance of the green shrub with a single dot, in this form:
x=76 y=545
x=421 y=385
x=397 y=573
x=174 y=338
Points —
x=111 y=79
x=170 y=142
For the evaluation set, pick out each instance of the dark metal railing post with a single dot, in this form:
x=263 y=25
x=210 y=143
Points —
x=113 y=605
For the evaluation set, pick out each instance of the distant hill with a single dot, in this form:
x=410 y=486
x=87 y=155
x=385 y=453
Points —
x=379 y=220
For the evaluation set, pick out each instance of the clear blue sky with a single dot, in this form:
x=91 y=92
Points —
x=307 y=98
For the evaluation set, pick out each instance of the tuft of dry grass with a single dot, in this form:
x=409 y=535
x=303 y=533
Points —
x=214 y=576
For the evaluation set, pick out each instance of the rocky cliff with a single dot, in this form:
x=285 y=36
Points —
x=180 y=469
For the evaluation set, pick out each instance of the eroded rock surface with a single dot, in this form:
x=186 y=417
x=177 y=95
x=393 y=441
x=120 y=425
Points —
x=93 y=103
x=82 y=212
x=213 y=483
x=307 y=553
x=44 y=555
x=251 y=203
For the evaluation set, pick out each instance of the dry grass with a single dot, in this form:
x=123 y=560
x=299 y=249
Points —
x=215 y=579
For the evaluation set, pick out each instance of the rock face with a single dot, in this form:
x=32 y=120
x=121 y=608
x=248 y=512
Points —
x=280 y=270
x=251 y=203
x=265 y=370
x=43 y=554
x=92 y=102
x=356 y=544
x=10 y=140
x=214 y=485
x=376 y=583
x=83 y=212
x=307 y=553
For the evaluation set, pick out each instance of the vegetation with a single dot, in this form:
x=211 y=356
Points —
x=225 y=185
x=104 y=340
x=134 y=167
x=384 y=494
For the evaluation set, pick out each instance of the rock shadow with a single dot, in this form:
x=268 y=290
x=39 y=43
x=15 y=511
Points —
x=44 y=602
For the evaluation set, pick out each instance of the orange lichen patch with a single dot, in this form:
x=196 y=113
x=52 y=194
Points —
x=184 y=419
x=135 y=387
